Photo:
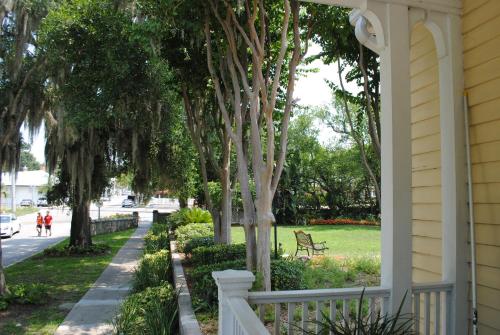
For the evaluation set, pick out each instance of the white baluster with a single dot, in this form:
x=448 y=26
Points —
x=372 y=313
x=427 y=319
x=333 y=312
x=262 y=312
x=291 y=311
x=416 y=312
x=346 y=310
x=305 y=311
x=437 y=315
x=319 y=317
x=277 y=318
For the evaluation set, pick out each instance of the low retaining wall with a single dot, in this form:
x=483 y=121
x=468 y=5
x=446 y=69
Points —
x=158 y=217
x=188 y=325
x=105 y=226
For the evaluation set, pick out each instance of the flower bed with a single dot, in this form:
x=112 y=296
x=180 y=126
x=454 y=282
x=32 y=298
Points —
x=340 y=221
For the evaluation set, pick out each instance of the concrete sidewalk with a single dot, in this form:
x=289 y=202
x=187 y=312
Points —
x=93 y=314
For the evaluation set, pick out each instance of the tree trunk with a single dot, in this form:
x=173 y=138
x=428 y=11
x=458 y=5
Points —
x=248 y=209
x=3 y=285
x=216 y=221
x=80 y=225
x=226 y=217
x=265 y=219
x=226 y=199
x=183 y=202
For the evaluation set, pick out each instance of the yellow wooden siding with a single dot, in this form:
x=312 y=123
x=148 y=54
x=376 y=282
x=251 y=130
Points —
x=481 y=40
x=426 y=157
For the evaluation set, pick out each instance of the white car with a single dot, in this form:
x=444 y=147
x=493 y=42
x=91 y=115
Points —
x=9 y=225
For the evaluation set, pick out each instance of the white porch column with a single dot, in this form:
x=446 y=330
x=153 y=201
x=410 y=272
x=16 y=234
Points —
x=454 y=205
x=396 y=199
x=385 y=28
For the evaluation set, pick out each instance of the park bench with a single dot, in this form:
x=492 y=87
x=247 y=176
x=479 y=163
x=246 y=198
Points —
x=305 y=242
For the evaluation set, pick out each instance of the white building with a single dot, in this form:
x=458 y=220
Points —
x=29 y=185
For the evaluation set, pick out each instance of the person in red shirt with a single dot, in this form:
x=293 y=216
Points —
x=47 y=220
x=39 y=222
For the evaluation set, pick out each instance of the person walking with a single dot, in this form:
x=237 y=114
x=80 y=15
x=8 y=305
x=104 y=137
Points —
x=39 y=223
x=48 y=224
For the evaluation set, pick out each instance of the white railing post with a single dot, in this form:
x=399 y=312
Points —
x=231 y=284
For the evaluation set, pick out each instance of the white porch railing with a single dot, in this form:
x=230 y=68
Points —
x=293 y=312
x=430 y=317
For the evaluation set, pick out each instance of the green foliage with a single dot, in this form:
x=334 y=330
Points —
x=153 y=270
x=325 y=273
x=186 y=216
x=70 y=250
x=157 y=239
x=27 y=159
x=197 y=215
x=204 y=288
x=366 y=265
x=196 y=242
x=28 y=294
x=185 y=233
x=151 y=312
x=319 y=176
x=217 y=253
x=374 y=324
x=287 y=275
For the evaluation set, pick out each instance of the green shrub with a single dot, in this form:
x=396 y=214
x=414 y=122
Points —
x=204 y=288
x=28 y=294
x=158 y=228
x=67 y=250
x=192 y=230
x=186 y=216
x=151 y=312
x=324 y=272
x=367 y=265
x=287 y=275
x=156 y=242
x=153 y=270
x=217 y=253
x=196 y=242
x=3 y=304
x=197 y=215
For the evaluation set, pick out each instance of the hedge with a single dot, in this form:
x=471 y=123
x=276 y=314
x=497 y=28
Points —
x=343 y=222
x=217 y=253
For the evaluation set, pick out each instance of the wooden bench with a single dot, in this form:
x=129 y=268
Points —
x=305 y=242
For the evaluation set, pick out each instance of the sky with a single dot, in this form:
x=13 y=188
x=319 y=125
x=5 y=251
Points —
x=311 y=90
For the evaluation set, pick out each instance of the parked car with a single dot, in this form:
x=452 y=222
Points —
x=42 y=202
x=9 y=225
x=27 y=203
x=128 y=203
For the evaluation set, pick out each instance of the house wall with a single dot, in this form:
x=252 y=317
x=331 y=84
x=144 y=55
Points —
x=481 y=40
x=426 y=156
x=22 y=192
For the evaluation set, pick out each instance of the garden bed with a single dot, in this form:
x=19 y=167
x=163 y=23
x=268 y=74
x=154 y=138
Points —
x=354 y=261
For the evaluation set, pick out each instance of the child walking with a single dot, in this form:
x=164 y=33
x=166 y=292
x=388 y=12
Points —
x=39 y=223
x=48 y=223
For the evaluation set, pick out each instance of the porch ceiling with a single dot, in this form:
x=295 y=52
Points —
x=447 y=6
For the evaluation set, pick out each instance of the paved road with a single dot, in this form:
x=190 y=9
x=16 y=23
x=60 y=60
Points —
x=26 y=243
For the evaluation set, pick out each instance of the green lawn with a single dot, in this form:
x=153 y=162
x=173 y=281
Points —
x=68 y=278
x=24 y=210
x=342 y=241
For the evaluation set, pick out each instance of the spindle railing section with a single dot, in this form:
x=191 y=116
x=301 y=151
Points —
x=300 y=312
